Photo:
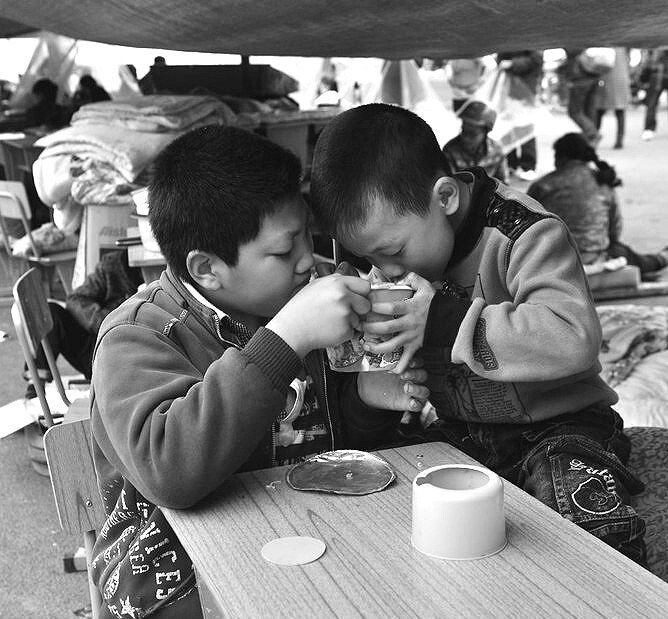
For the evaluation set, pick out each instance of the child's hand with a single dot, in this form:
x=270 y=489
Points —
x=323 y=313
x=409 y=322
x=405 y=392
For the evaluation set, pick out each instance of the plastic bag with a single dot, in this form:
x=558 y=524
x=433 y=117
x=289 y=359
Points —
x=517 y=113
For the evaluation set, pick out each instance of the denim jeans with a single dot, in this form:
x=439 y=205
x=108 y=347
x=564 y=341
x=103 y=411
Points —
x=573 y=463
x=581 y=105
x=652 y=102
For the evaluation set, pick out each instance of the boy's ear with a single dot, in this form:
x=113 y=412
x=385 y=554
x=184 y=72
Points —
x=206 y=269
x=445 y=194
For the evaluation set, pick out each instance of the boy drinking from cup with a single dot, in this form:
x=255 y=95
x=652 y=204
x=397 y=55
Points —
x=501 y=311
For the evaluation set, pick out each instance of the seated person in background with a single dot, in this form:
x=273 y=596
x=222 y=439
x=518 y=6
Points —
x=46 y=112
x=584 y=197
x=473 y=146
x=89 y=91
x=75 y=326
x=501 y=310
x=214 y=368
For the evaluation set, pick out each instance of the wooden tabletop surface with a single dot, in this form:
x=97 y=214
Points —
x=550 y=567
x=139 y=256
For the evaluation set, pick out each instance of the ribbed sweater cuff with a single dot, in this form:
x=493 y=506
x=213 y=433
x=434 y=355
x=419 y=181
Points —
x=274 y=357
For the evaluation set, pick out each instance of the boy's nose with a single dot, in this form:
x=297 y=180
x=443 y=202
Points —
x=306 y=262
x=393 y=271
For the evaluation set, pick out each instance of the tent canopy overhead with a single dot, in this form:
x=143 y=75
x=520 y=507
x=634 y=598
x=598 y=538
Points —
x=354 y=28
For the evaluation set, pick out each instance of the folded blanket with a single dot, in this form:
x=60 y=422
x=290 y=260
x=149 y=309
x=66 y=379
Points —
x=97 y=182
x=98 y=158
x=630 y=333
x=127 y=150
x=157 y=113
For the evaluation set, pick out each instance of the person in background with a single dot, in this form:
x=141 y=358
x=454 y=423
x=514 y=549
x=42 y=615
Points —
x=89 y=91
x=582 y=86
x=581 y=191
x=75 y=326
x=216 y=367
x=527 y=65
x=465 y=75
x=146 y=83
x=46 y=113
x=614 y=93
x=501 y=311
x=473 y=146
x=327 y=92
x=655 y=74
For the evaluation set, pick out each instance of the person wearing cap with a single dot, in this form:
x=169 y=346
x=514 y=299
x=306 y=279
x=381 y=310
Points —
x=473 y=146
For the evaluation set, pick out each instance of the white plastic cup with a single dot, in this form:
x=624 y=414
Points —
x=458 y=512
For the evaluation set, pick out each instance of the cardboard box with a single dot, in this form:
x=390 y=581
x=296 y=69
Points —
x=101 y=226
x=626 y=277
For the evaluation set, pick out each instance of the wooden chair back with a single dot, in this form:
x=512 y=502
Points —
x=14 y=205
x=69 y=454
x=33 y=323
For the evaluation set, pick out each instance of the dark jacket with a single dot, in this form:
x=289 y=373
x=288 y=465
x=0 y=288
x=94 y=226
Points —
x=112 y=282
x=527 y=65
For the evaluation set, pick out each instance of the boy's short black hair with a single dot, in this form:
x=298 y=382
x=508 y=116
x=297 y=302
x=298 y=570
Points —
x=368 y=152
x=211 y=189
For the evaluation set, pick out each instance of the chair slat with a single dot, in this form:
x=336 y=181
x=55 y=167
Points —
x=69 y=454
x=34 y=307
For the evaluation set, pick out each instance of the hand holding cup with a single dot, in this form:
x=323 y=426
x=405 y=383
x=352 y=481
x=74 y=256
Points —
x=323 y=313
x=403 y=324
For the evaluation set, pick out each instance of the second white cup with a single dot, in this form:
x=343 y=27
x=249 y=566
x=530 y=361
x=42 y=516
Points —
x=458 y=512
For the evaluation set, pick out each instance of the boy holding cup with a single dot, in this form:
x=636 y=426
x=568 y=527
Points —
x=501 y=312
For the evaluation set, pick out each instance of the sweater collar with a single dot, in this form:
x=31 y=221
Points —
x=216 y=320
x=199 y=297
x=469 y=232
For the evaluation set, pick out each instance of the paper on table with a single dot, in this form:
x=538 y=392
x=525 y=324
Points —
x=614 y=264
x=293 y=550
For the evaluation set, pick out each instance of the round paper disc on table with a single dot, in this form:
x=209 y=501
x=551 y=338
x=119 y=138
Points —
x=293 y=550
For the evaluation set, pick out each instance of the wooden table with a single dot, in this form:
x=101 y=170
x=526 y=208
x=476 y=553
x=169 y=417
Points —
x=550 y=568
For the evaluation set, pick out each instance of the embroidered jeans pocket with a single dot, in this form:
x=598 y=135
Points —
x=590 y=487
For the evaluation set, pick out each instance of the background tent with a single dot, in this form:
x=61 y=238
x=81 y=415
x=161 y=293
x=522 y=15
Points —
x=402 y=83
x=54 y=59
x=373 y=28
